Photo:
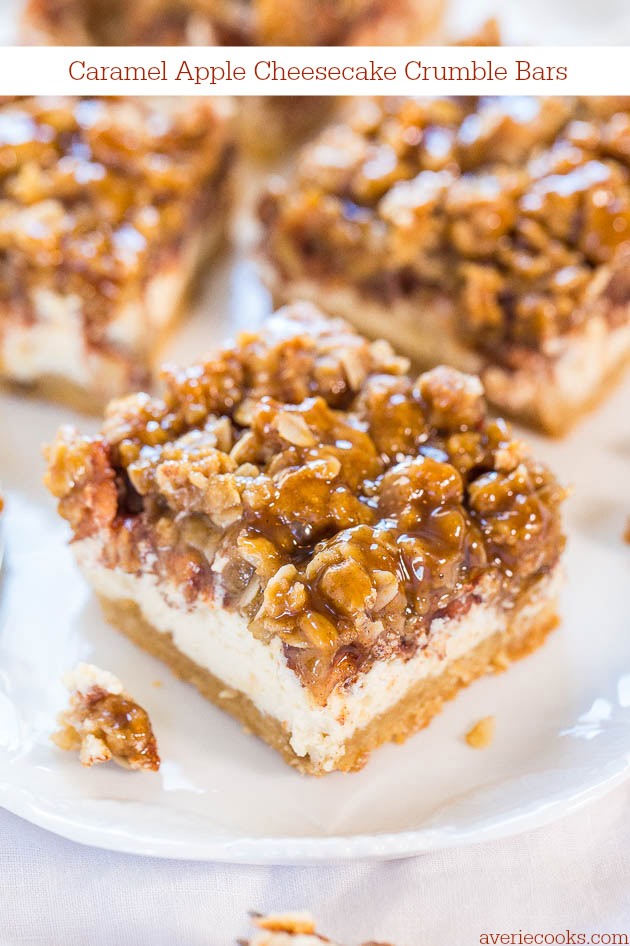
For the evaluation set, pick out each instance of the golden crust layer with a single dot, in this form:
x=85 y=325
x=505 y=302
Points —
x=302 y=479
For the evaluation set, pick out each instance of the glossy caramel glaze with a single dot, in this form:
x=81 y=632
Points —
x=96 y=194
x=304 y=479
x=514 y=207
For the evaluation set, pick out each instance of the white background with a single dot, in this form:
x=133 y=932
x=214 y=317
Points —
x=575 y=874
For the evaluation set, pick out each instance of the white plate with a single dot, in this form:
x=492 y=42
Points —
x=563 y=714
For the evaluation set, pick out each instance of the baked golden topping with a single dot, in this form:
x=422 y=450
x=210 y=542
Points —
x=512 y=206
x=95 y=195
x=304 y=479
x=104 y=723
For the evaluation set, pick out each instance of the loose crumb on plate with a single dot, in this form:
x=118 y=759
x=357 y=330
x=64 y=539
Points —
x=626 y=535
x=482 y=733
x=102 y=722
x=285 y=922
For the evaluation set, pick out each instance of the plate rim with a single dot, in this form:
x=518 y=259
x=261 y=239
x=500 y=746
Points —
x=309 y=850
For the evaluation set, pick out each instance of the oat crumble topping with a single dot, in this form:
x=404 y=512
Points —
x=302 y=478
x=515 y=207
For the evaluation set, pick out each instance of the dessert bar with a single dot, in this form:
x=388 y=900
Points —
x=107 y=209
x=327 y=547
x=490 y=234
x=103 y=722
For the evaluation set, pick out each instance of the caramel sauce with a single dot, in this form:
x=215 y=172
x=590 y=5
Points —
x=338 y=504
x=509 y=205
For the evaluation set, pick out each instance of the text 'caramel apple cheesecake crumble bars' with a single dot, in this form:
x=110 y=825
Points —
x=490 y=234
x=107 y=209
x=327 y=547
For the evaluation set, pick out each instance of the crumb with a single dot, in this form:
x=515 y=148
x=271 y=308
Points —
x=102 y=722
x=626 y=535
x=280 y=929
x=157 y=683
x=500 y=662
x=482 y=733
x=285 y=922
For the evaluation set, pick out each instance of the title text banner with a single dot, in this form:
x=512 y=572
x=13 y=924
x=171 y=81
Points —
x=324 y=70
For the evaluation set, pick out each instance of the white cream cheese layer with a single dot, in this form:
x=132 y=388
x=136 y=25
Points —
x=220 y=641
x=54 y=344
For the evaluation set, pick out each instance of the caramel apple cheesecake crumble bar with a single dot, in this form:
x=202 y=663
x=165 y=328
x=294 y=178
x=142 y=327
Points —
x=290 y=929
x=327 y=547
x=103 y=722
x=107 y=209
x=490 y=234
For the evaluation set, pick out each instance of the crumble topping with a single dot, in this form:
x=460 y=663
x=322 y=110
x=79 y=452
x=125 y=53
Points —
x=104 y=723
x=518 y=208
x=95 y=194
x=290 y=929
x=302 y=477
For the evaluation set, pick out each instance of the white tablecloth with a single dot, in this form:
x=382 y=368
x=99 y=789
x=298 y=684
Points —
x=574 y=875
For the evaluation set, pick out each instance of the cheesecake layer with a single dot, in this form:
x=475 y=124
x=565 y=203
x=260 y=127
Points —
x=213 y=647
